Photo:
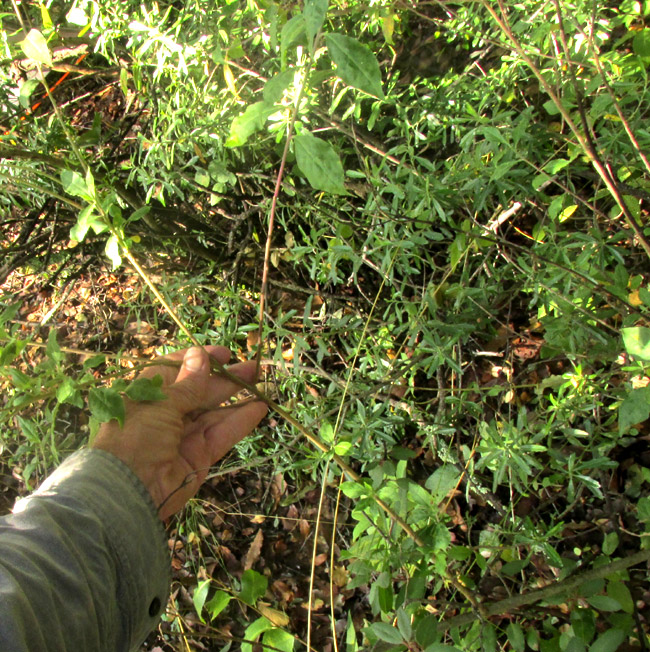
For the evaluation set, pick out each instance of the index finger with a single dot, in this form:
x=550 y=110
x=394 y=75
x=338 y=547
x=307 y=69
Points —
x=169 y=372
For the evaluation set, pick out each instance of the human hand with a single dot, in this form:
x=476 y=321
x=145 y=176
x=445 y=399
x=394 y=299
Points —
x=171 y=444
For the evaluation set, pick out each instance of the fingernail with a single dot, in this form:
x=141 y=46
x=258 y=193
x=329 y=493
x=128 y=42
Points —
x=194 y=359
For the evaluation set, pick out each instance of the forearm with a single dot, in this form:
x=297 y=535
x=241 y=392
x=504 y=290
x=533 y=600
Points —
x=83 y=561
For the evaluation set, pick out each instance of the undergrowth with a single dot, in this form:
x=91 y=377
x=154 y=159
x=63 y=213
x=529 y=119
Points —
x=429 y=222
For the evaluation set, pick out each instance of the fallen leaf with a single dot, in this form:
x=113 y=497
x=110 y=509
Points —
x=254 y=551
x=340 y=576
x=278 y=618
x=305 y=529
x=320 y=559
x=278 y=487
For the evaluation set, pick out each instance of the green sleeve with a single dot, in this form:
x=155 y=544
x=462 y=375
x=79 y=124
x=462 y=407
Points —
x=84 y=563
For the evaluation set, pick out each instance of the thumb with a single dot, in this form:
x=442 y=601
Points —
x=189 y=391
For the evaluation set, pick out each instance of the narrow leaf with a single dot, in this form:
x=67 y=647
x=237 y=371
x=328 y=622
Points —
x=355 y=63
x=199 y=596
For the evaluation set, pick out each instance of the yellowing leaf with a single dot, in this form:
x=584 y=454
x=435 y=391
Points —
x=35 y=47
x=388 y=27
x=230 y=80
x=634 y=298
x=567 y=212
x=278 y=618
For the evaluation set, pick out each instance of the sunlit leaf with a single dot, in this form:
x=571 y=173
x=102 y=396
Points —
x=246 y=124
x=112 y=250
x=146 y=389
x=278 y=639
x=252 y=632
x=106 y=404
x=218 y=603
x=634 y=409
x=199 y=596
x=314 y=13
x=35 y=47
x=26 y=91
x=320 y=163
x=355 y=63
x=636 y=341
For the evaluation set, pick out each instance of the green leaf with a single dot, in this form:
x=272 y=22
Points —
x=643 y=509
x=609 y=641
x=320 y=163
x=35 y=47
x=279 y=639
x=53 y=349
x=583 y=622
x=386 y=632
x=94 y=361
x=292 y=32
x=146 y=389
x=442 y=481
x=610 y=543
x=29 y=429
x=355 y=489
x=26 y=91
x=426 y=630
x=253 y=586
x=355 y=63
x=140 y=213
x=641 y=43
x=275 y=87
x=441 y=647
x=74 y=184
x=575 y=645
x=86 y=219
x=253 y=631
x=516 y=637
x=314 y=13
x=618 y=591
x=636 y=341
x=218 y=603
x=65 y=390
x=553 y=167
x=246 y=124
x=106 y=404
x=199 y=596
x=404 y=624
x=112 y=250
x=634 y=409
x=603 y=603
